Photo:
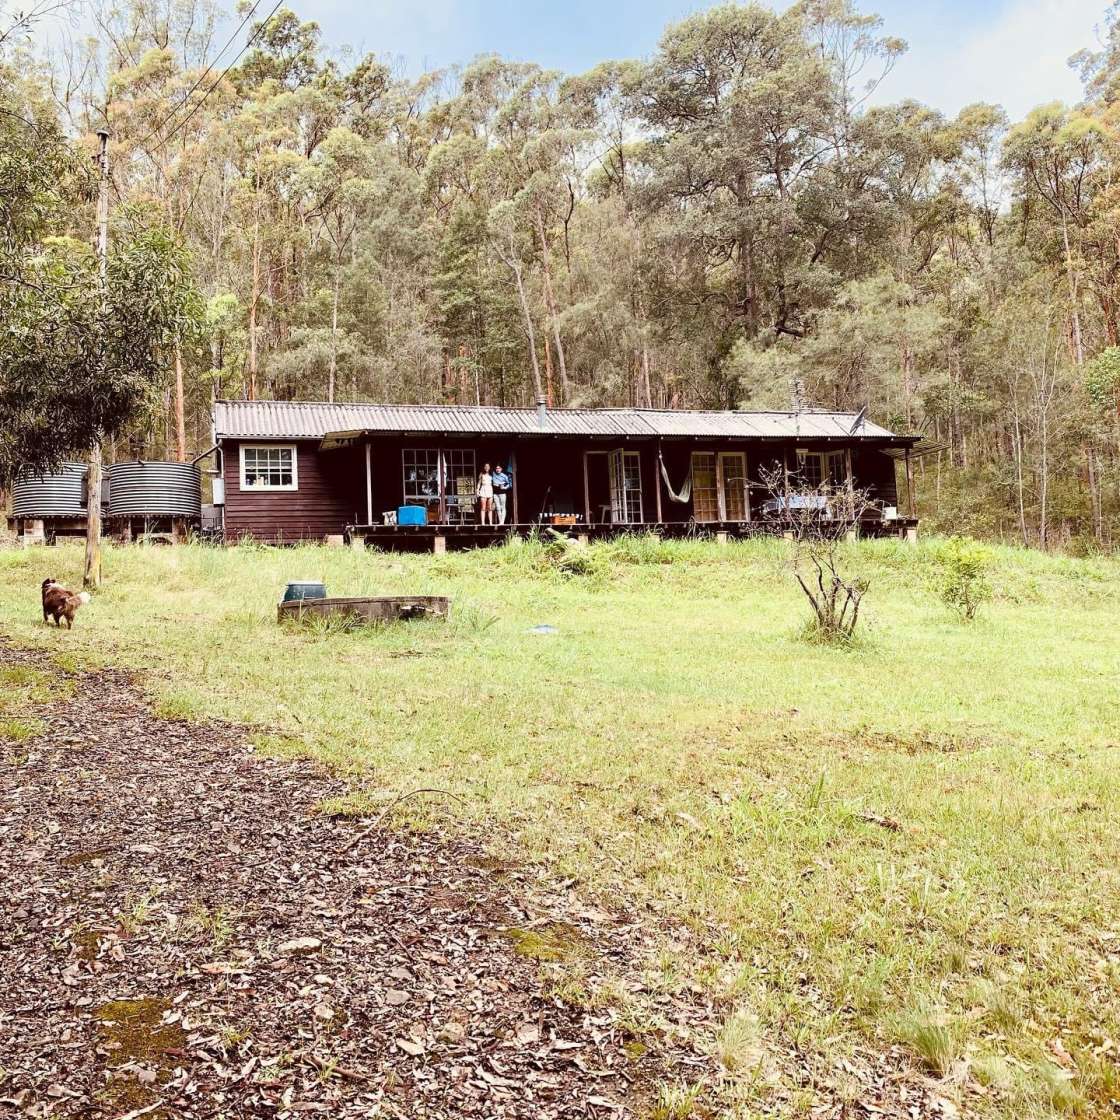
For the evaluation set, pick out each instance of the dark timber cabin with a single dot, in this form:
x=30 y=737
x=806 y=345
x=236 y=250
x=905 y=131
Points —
x=307 y=471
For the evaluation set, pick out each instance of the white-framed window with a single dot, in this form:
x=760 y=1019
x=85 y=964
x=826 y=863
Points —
x=269 y=466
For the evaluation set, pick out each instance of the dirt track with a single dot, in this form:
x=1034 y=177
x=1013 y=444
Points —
x=183 y=934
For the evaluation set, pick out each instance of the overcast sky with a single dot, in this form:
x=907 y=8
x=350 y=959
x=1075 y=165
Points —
x=1013 y=52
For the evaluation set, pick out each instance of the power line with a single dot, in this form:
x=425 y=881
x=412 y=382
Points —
x=202 y=101
x=202 y=77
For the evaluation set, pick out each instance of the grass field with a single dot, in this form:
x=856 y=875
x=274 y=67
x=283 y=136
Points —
x=675 y=742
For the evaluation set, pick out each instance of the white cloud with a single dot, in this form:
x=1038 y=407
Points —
x=1013 y=53
x=1018 y=57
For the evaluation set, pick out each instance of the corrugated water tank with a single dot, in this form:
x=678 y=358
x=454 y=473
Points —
x=151 y=488
x=60 y=494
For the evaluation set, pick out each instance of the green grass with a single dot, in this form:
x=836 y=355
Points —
x=22 y=689
x=676 y=743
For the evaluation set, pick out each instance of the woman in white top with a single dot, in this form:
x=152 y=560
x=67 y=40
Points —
x=486 y=496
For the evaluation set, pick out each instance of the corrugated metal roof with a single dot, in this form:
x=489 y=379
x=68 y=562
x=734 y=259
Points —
x=315 y=420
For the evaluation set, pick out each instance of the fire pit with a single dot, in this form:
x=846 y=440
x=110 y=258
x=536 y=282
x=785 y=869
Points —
x=367 y=610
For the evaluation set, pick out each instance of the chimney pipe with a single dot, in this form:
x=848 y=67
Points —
x=542 y=412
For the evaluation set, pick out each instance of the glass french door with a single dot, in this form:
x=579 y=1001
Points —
x=732 y=470
x=625 y=471
x=705 y=486
x=719 y=486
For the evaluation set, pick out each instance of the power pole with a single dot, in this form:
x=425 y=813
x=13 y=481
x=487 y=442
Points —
x=92 y=577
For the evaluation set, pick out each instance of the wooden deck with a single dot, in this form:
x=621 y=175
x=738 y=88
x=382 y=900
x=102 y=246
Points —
x=440 y=537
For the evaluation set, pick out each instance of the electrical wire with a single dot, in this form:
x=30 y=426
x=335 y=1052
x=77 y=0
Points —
x=202 y=101
x=202 y=77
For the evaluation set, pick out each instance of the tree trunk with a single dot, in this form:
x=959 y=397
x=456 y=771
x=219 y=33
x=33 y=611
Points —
x=254 y=299
x=217 y=362
x=937 y=475
x=550 y=300
x=91 y=578
x=1075 y=317
x=548 y=372
x=255 y=294
x=1044 y=479
x=180 y=407
x=1095 y=496
x=647 y=385
x=908 y=385
x=523 y=300
x=1017 y=446
x=334 y=335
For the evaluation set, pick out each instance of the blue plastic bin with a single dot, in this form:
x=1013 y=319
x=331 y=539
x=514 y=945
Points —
x=412 y=515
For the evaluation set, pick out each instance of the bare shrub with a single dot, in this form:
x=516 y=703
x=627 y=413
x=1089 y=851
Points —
x=819 y=519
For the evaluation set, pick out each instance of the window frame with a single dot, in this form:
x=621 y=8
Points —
x=425 y=501
x=451 y=460
x=714 y=509
x=624 y=496
x=724 y=492
x=824 y=459
x=712 y=503
x=254 y=488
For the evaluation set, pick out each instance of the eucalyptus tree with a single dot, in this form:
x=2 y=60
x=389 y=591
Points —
x=339 y=193
x=485 y=162
x=83 y=348
x=1054 y=155
x=168 y=154
x=754 y=146
x=512 y=247
x=875 y=347
x=74 y=369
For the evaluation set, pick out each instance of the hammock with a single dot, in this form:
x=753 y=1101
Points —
x=686 y=487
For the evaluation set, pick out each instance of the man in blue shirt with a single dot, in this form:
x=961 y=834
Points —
x=502 y=486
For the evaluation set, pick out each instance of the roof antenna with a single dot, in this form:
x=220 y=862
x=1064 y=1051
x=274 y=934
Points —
x=857 y=423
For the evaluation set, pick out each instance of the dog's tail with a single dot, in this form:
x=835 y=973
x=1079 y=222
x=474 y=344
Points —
x=83 y=597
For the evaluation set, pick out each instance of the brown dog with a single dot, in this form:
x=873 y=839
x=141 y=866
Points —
x=59 y=604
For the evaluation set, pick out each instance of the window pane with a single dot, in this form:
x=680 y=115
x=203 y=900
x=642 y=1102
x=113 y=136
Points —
x=809 y=469
x=266 y=467
x=461 y=482
x=631 y=486
x=420 y=474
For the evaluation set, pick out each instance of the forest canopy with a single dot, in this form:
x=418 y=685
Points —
x=728 y=223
